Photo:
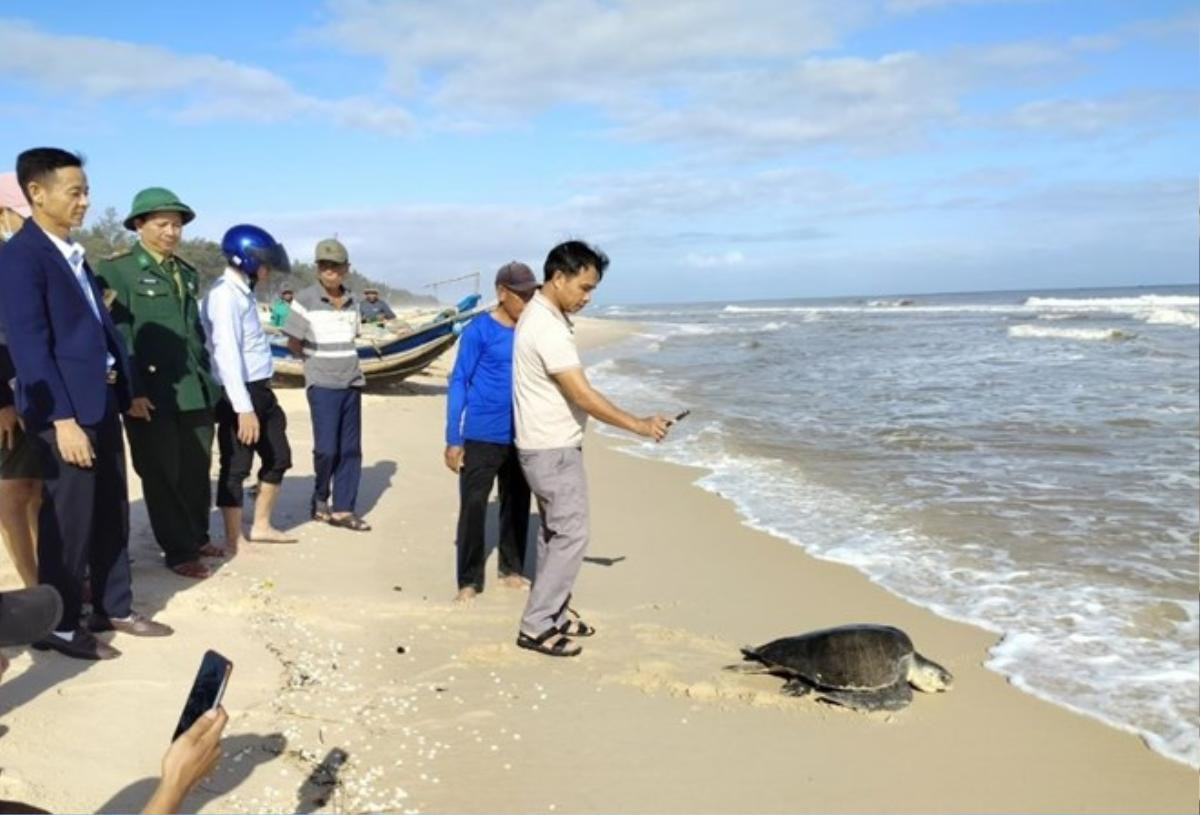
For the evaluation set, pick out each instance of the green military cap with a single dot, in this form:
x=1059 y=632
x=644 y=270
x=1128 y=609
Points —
x=332 y=250
x=157 y=199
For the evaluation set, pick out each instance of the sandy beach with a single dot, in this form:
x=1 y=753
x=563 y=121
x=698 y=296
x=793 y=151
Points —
x=358 y=686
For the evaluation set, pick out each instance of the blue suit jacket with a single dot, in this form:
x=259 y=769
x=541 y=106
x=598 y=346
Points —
x=58 y=348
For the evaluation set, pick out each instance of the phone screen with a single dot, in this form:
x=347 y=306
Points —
x=206 y=691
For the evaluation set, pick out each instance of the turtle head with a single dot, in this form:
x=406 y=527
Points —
x=926 y=675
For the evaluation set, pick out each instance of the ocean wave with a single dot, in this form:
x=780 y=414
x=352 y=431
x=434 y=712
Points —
x=710 y=329
x=1062 y=315
x=969 y=308
x=640 y=312
x=1155 y=309
x=1181 y=310
x=1146 y=301
x=904 y=301
x=1173 y=316
x=1039 y=332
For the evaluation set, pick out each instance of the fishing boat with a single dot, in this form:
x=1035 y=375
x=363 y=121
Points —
x=391 y=352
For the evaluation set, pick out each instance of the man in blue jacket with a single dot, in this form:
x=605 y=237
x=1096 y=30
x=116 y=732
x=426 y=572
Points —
x=479 y=436
x=72 y=385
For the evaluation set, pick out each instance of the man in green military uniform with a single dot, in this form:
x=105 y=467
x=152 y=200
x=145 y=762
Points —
x=170 y=423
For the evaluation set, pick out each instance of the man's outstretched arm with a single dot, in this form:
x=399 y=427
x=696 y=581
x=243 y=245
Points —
x=575 y=386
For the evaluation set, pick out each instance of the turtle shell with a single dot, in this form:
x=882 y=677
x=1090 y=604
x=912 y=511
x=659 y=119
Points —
x=849 y=657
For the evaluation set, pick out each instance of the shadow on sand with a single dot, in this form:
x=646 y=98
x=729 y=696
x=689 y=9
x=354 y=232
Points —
x=241 y=755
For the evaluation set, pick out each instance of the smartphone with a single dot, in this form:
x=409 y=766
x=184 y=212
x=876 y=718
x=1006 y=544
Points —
x=679 y=416
x=206 y=691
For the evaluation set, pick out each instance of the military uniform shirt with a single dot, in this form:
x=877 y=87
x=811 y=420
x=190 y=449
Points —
x=155 y=310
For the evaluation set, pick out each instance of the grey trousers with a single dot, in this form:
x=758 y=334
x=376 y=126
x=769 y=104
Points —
x=557 y=480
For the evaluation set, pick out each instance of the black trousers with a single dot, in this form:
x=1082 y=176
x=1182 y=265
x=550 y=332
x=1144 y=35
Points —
x=172 y=453
x=237 y=459
x=84 y=523
x=483 y=464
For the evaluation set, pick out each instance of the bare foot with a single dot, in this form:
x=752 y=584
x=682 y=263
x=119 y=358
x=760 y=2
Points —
x=515 y=581
x=212 y=550
x=268 y=534
x=193 y=569
x=465 y=595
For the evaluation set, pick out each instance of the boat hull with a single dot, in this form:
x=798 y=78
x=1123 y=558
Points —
x=382 y=360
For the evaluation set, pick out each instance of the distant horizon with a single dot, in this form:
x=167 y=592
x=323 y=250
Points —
x=892 y=295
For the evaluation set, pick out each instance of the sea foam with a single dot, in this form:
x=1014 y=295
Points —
x=1040 y=332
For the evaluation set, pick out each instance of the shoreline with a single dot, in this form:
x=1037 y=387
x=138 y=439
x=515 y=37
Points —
x=1015 y=680
x=787 y=490
x=647 y=719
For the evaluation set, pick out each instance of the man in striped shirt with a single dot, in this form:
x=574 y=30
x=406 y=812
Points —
x=321 y=327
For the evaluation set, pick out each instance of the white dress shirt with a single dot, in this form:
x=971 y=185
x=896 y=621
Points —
x=236 y=340
x=74 y=253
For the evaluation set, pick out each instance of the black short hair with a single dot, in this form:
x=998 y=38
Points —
x=571 y=258
x=38 y=162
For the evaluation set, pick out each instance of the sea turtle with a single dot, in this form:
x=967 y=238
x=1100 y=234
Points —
x=862 y=667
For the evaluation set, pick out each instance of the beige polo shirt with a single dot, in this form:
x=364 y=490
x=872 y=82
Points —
x=545 y=345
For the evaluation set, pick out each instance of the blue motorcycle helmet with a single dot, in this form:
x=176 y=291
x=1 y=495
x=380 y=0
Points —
x=248 y=248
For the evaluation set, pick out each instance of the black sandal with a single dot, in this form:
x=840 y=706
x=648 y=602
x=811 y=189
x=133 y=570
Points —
x=351 y=522
x=319 y=511
x=562 y=646
x=575 y=626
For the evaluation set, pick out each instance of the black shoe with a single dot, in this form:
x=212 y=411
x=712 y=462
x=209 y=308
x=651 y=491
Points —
x=137 y=625
x=83 y=645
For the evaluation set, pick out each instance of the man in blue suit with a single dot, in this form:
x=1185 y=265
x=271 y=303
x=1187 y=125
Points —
x=72 y=386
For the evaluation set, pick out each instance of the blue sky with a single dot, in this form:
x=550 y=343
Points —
x=716 y=150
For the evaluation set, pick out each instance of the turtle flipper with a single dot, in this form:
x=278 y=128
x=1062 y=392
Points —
x=796 y=687
x=893 y=697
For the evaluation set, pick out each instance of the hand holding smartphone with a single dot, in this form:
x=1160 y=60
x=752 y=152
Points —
x=207 y=690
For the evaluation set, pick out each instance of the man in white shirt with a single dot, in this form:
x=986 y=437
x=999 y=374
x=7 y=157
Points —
x=249 y=418
x=552 y=399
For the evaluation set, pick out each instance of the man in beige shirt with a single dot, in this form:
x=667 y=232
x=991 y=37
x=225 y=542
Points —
x=552 y=399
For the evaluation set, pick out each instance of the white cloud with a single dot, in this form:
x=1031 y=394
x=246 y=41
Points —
x=753 y=78
x=1092 y=117
x=411 y=246
x=528 y=55
x=881 y=104
x=189 y=87
x=1010 y=237
x=723 y=74
x=723 y=260
x=744 y=79
x=685 y=194
x=914 y=6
